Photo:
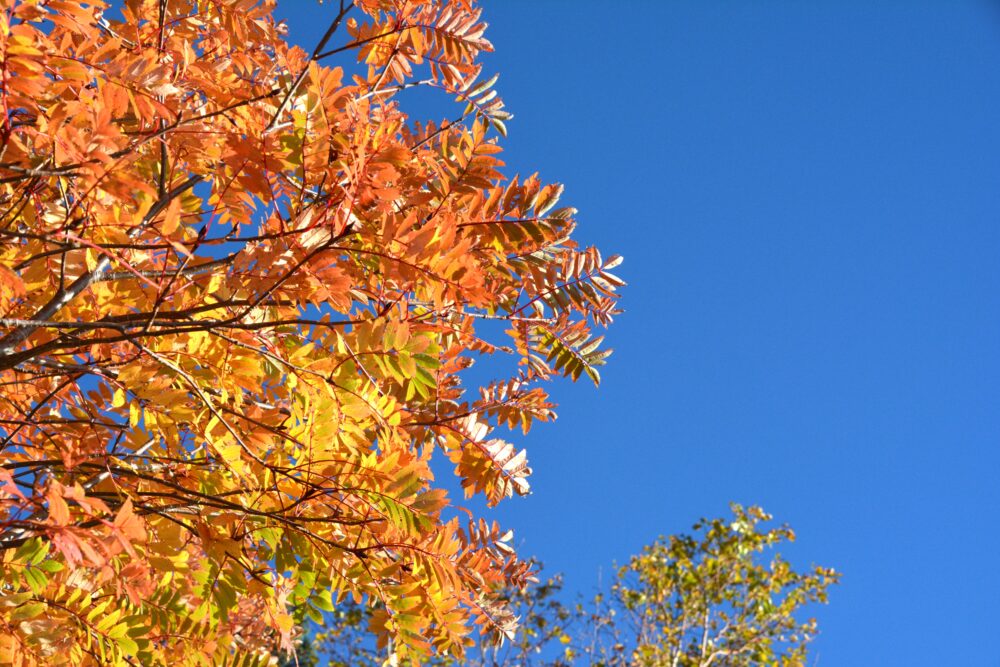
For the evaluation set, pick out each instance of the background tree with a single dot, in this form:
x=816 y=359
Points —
x=238 y=289
x=721 y=597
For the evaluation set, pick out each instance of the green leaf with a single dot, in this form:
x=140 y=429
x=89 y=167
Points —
x=29 y=550
x=323 y=600
x=37 y=581
x=28 y=611
x=127 y=645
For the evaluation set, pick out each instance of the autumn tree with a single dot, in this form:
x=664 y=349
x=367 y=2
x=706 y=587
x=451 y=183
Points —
x=239 y=287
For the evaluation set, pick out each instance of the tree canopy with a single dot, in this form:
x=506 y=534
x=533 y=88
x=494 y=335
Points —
x=239 y=288
x=722 y=597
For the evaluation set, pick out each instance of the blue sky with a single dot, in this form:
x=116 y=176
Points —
x=806 y=195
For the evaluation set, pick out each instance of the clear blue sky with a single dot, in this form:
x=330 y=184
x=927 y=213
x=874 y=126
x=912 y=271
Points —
x=806 y=195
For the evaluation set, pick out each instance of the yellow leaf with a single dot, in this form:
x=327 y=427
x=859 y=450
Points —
x=172 y=218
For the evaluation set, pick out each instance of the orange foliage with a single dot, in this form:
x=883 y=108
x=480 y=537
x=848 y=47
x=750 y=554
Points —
x=238 y=289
